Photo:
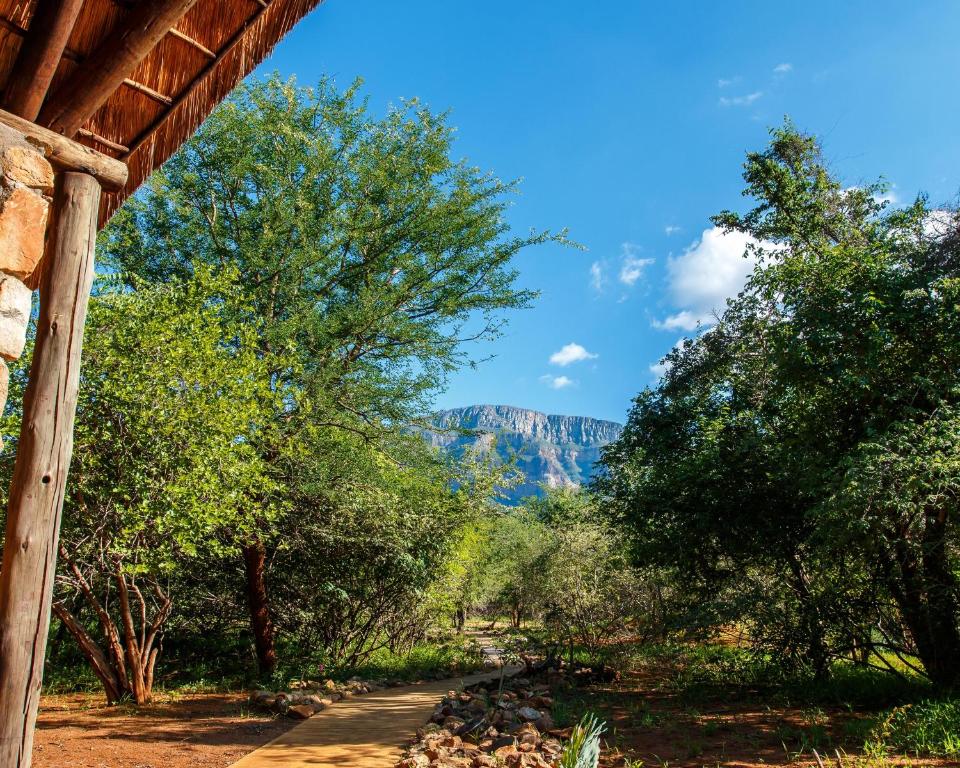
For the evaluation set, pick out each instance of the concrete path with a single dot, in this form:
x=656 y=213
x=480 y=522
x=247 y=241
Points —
x=368 y=731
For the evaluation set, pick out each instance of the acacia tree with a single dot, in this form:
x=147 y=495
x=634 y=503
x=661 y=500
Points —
x=369 y=254
x=163 y=465
x=805 y=442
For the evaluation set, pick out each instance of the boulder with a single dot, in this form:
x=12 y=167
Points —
x=427 y=730
x=455 y=761
x=300 y=711
x=23 y=225
x=544 y=722
x=27 y=166
x=528 y=714
x=452 y=723
x=528 y=734
x=502 y=741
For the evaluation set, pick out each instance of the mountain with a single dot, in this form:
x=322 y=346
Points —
x=550 y=450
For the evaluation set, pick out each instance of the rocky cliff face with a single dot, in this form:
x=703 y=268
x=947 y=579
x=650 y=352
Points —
x=553 y=451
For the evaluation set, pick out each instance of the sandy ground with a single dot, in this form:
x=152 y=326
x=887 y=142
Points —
x=79 y=731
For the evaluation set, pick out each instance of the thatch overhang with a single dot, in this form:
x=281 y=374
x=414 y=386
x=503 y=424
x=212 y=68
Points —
x=165 y=96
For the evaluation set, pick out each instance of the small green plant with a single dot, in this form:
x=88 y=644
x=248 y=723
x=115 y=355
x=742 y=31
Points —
x=929 y=728
x=583 y=748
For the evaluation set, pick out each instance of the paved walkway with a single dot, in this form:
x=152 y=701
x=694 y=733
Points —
x=368 y=731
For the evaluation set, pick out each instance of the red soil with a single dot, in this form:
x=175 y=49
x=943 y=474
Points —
x=214 y=730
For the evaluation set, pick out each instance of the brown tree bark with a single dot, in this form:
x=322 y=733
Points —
x=126 y=668
x=94 y=655
x=926 y=593
x=255 y=566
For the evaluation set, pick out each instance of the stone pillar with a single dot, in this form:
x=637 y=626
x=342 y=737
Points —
x=26 y=183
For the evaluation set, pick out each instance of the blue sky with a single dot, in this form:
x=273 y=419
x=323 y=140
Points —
x=628 y=123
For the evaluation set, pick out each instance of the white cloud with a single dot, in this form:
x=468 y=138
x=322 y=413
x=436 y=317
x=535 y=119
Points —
x=705 y=275
x=557 y=382
x=632 y=269
x=727 y=82
x=571 y=353
x=632 y=266
x=783 y=69
x=597 y=279
x=670 y=229
x=740 y=101
x=659 y=369
x=685 y=320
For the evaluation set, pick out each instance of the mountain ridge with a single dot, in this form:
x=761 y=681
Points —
x=550 y=449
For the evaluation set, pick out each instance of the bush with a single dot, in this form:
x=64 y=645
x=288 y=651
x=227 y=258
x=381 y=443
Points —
x=929 y=728
x=703 y=670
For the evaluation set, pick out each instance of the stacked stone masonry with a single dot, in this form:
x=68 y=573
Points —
x=26 y=184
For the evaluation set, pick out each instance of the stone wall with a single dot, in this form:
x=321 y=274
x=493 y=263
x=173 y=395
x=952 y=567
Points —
x=26 y=184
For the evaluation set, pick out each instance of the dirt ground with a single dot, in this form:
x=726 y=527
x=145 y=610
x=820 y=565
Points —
x=657 y=729
x=212 y=730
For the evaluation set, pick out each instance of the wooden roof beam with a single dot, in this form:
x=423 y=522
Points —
x=39 y=55
x=195 y=43
x=68 y=155
x=21 y=32
x=89 y=87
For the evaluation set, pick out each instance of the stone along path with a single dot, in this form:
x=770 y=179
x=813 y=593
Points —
x=367 y=731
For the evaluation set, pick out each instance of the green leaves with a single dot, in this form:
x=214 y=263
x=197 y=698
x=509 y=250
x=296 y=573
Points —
x=368 y=252
x=803 y=449
x=168 y=410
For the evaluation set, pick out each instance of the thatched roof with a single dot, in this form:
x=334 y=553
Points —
x=165 y=97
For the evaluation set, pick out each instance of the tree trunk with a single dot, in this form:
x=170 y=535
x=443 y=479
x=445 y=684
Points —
x=43 y=458
x=926 y=594
x=816 y=652
x=255 y=565
x=125 y=669
x=94 y=655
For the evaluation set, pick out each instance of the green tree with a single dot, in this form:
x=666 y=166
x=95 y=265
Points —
x=163 y=468
x=369 y=254
x=803 y=444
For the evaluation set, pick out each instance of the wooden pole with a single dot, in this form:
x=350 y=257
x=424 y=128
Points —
x=39 y=56
x=43 y=457
x=95 y=80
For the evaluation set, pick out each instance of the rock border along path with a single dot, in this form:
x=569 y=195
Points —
x=366 y=731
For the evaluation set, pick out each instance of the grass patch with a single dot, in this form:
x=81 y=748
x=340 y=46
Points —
x=445 y=659
x=925 y=729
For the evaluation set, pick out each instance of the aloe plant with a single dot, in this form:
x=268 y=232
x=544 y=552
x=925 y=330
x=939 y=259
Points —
x=583 y=748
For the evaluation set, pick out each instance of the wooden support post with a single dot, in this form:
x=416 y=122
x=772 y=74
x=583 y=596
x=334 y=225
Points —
x=39 y=56
x=43 y=458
